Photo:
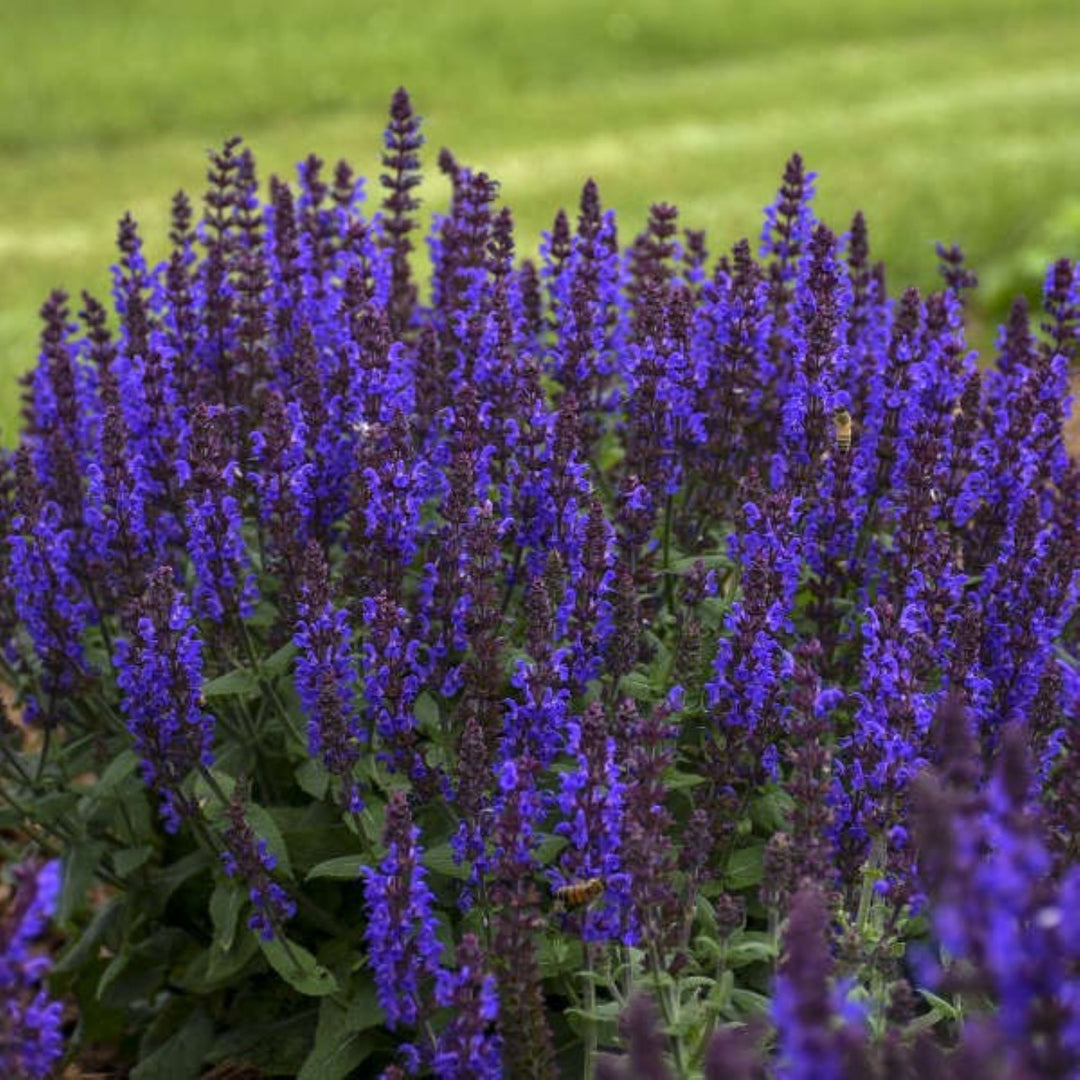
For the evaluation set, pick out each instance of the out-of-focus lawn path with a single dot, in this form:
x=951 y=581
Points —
x=943 y=119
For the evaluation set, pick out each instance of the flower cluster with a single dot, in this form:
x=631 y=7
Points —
x=159 y=673
x=30 y=1038
x=249 y=860
x=578 y=625
x=401 y=920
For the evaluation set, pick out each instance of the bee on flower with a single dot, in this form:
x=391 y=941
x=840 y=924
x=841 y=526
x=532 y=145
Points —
x=577 y=894
x=842 y=426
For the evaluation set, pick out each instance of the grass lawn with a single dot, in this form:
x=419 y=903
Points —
x=943 y=119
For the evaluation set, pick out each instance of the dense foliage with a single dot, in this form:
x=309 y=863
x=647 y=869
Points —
x=424 y=686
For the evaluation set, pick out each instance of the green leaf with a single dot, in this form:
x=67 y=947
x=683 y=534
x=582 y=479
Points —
x=559 y=955
x=336 y=1059
x=343 y=868
x=440 y=860
x=549 y=848
x=748 y=950
x=80 y=868
x=426 y=711
x=277 y=663
x=313 y=779
x=365 y=1012
x=940 y=1008
x=104 y=925
x=605 y=1012
x=677 y=780
x=139 y=970
x=720 y=995
x=127 y=860
x=706 y=912
x=119 y=769
x=298 y=967
x=708 y=949
x=749 y=1002
x=638 y=686
x=49 y=809
x=338 y=1049
x=685 y=563
x=180 y=1057
x=233 y=683
x=262 y=821
x=203 y=788
x=235 y=758
x=313 y=833
x=277 y=1048
x=223 y=964
x=215 y=967
x=226 y=903
x=609 y=452
x=172 y=876
x=265 y=614
x=771 y=811
x=745 y=868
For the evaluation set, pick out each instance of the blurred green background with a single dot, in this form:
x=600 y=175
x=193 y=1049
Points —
x=956 y=120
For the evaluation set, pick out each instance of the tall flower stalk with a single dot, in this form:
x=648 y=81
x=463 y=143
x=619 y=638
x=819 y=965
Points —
x=644 y=616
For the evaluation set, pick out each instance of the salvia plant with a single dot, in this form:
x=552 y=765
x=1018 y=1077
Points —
x=631 y=662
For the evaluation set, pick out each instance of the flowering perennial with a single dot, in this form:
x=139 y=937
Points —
x=523 y=636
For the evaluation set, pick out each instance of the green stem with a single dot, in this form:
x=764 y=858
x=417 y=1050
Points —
x=101 y=707
x=267 y=686
x=669 y=578
x=213 y=785
x=25 y=813
x=106 y=636
x=64 y=839
x=866 y=894
x=13 y=759
x=243 y=721
x=46 y=742
x=662 y=992
x=589 y=1013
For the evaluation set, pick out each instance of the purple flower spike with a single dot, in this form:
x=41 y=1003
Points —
x=326 y=679
x=159 y=672
x=403 y=950
x=249 y=859
x=467 y=1047
x=30 y=1038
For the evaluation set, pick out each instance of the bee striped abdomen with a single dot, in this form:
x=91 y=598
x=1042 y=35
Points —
x=578 y=893
x=842 y=426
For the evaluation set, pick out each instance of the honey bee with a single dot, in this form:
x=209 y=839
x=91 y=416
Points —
x=842 y=425
x=578 y=893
